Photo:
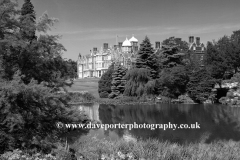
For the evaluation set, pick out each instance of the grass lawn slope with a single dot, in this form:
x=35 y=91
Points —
x=86 y=84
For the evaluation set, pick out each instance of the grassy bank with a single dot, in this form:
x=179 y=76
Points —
x=90 y=85
x=86 y=84
x=93 y=148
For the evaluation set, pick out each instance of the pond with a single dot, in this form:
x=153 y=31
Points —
x=216 y=122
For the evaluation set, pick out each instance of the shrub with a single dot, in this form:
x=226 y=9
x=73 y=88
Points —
x=80 y=97
x=29 y=113
x=103 y=94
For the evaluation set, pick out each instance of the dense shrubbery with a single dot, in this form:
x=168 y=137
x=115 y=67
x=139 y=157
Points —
x=140 y=79
x=172 y=82
x=104 y=84
x=179 y=73
x=80 y=97
x=200 y=85
x=31 y=71
x=29 y=114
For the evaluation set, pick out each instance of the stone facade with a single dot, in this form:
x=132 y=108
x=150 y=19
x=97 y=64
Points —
x=97 y=62
x=197 y=49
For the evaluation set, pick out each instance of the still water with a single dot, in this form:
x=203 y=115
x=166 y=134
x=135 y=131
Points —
x=217 y=122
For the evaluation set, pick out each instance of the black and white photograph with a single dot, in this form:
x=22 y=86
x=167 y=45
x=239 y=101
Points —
x=119 y=79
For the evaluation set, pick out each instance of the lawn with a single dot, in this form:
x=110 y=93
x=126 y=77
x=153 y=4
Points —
x=86 y=84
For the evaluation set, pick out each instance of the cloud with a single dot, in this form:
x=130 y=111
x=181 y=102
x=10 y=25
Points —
x=103 y=30
x=110 y=33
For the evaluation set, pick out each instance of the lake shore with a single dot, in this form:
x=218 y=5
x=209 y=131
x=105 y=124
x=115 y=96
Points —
x=92 y=148
x=124 y=101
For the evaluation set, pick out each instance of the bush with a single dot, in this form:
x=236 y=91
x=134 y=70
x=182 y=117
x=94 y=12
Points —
x=103 y=94
x=80 y=97
x=29 y=113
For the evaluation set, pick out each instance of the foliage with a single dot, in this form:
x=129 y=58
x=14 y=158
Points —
x=235 y=78
x=38 y=58
x=215 y=62
x=170 y=56
x=200 y=85
x=153 y=149
x=232 y=97
x=172 y=82
x=222 y=57
x=30 y=108
x=118 y=81
x=70 y=69
x=20 y=155
x=173 y=76
x=29 y=114
x=28 y=19
x=80 y=97
x=172 y=41
x=104 y=84
x=136 y=80
x=147 y=59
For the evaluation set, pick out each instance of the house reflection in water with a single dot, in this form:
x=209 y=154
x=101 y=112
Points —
x=91 y=111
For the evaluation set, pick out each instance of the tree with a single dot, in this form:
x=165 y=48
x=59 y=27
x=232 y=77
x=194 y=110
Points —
x=170 y=56
x=215 y=62
x=105 y=83
x=28 y=16
x=118 y=81
x=200 y=85
x=172 y=41
x=29 y=114
x=136 y=80
x=174 y=74
x=30 y=108
x=41 y=59
x=147 y=59
x=172 y=82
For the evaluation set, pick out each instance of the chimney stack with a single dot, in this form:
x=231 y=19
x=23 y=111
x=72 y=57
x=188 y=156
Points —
x=120 y=44
x=191 y=39
x=105 y=46
x=198 y=40
x=115 y=47
x=157 y=45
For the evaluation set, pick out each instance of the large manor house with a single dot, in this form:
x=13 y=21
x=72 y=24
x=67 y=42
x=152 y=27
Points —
x=97 y=62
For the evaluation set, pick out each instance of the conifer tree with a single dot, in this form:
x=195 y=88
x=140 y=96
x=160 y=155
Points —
x=28 y=21
x=118 y=81
x=146 y=58
x=104 y=84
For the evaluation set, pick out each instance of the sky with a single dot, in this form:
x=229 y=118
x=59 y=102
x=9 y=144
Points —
x=85 y=24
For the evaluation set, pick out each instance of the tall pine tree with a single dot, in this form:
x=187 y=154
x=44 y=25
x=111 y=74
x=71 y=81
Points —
x=28 y=21
x=147 y=59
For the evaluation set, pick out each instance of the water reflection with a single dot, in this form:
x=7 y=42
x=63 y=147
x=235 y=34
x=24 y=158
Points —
x=216 y=121
x=91 y=110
